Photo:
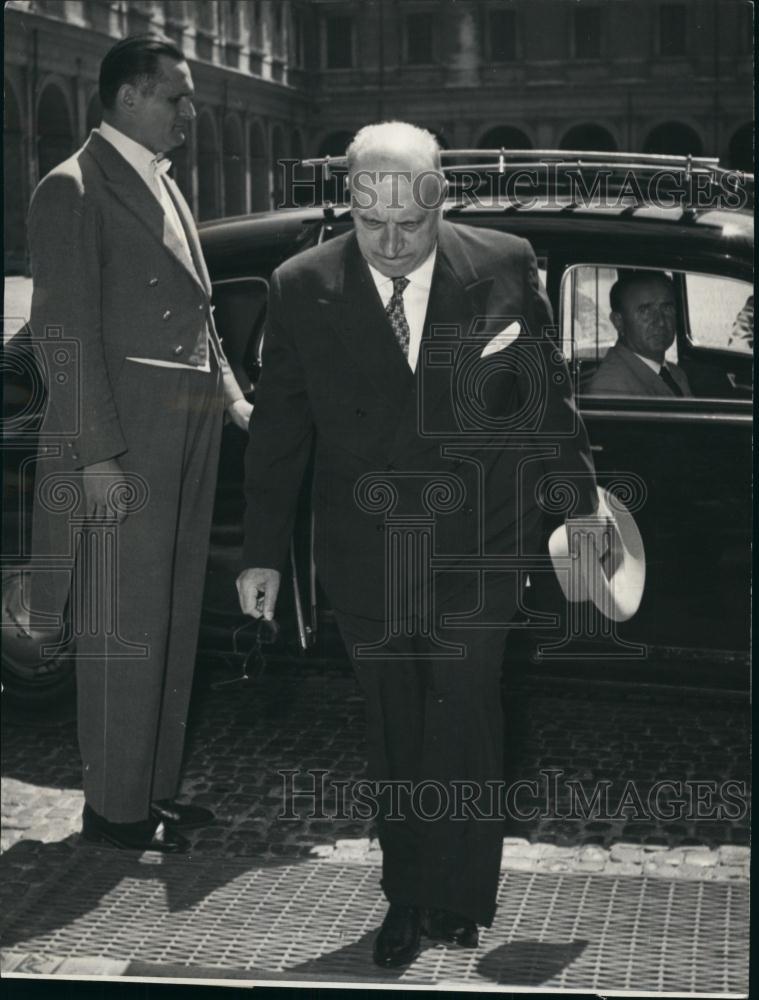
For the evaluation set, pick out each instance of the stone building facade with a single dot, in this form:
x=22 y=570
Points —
x=280 y=79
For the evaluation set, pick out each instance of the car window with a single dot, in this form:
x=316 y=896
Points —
x=713 y=319
x=720 y=312
x=587 y=331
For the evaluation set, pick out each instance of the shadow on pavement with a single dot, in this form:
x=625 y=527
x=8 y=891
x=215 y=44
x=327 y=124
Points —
x=47 y=888
x=528 y=963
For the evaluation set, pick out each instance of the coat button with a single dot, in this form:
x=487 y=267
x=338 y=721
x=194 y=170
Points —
x=167 y=314
x=178 y=349
x=360 y=412
x=201 y=307
x=153 y=282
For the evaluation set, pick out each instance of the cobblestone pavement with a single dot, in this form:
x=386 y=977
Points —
x=307 y=718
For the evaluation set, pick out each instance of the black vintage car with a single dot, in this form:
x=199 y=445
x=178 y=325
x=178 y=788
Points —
x=683 y=465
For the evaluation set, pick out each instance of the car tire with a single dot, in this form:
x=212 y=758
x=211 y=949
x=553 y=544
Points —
x=51 y=684
x=29 y=679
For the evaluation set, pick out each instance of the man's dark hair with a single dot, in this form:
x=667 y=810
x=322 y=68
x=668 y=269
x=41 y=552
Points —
x=629 y=279
x=132 y=60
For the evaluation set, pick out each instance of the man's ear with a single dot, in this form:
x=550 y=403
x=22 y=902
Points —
x=617 y=322
x=126 y=98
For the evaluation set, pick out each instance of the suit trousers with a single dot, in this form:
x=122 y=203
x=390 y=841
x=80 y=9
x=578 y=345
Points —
x=435 y=739
x=134 y=680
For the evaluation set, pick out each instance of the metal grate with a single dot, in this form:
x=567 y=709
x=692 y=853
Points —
x=316 y=920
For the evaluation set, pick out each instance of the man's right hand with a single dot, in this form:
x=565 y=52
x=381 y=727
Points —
x=103 y=482
x=258 y=589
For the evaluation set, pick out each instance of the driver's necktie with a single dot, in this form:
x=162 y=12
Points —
x=667 y=378
x=397 y=316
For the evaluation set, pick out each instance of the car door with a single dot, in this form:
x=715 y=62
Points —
x=683 y=466
x=239 y=314
x=239 y=306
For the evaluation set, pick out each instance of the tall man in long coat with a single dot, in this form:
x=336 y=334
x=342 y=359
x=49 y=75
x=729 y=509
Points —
x=412 y=353
x=137 y=386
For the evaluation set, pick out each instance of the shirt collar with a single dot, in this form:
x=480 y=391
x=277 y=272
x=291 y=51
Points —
x=138 y=156
x=420 y=277
x=653 y=365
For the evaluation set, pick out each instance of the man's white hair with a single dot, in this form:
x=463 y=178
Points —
x=397 y=141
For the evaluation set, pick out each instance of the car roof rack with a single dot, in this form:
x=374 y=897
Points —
x=512 y=159
x=559 y=164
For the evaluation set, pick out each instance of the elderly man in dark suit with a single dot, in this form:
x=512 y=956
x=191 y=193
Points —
x=126 y=471
x=644 y=315
x=412 y=353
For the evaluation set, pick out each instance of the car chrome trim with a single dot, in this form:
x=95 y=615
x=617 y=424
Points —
x=673 y=415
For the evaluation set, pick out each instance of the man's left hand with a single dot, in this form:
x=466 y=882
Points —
x=239 y=413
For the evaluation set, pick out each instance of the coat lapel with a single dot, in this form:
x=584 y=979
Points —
x=183 y=210
x=127 y=185
x=457 y=297
x=359 y=320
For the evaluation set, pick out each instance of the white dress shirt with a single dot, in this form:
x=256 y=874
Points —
x=653 y=365
x=416 y=295
x=152 y=169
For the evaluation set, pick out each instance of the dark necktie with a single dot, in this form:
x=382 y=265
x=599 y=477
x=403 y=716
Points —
x=397 y=316
x=666 y=376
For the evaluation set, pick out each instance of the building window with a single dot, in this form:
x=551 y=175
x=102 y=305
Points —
x=587 y=33
x=297 y=38
x=502 y=32
x=672 y=22
x=252 y=13
x=207 y=18
x=230 y=15
x=419 y=38
x=339 y=45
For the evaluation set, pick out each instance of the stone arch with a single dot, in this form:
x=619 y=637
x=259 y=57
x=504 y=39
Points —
x=55 y=128
x=332 y=188
x=278 y=153
x=303 y=192
x=234 y=167
x=741 y=149
x=94 y=112
x=504 y=137
x=209 y=201
x=15 y=191
x=442 y=139
x=259 y=168
x=296 y=144
x=589 y=136
x=673 y=138
x=335 y=143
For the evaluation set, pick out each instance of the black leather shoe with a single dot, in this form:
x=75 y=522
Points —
x=147 y=835
x=183 y=817
x=442 y=925
x=399 y=939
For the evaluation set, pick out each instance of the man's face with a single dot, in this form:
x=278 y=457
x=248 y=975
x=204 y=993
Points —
x=646 y=320
x=162 y=115
x=396 y=231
